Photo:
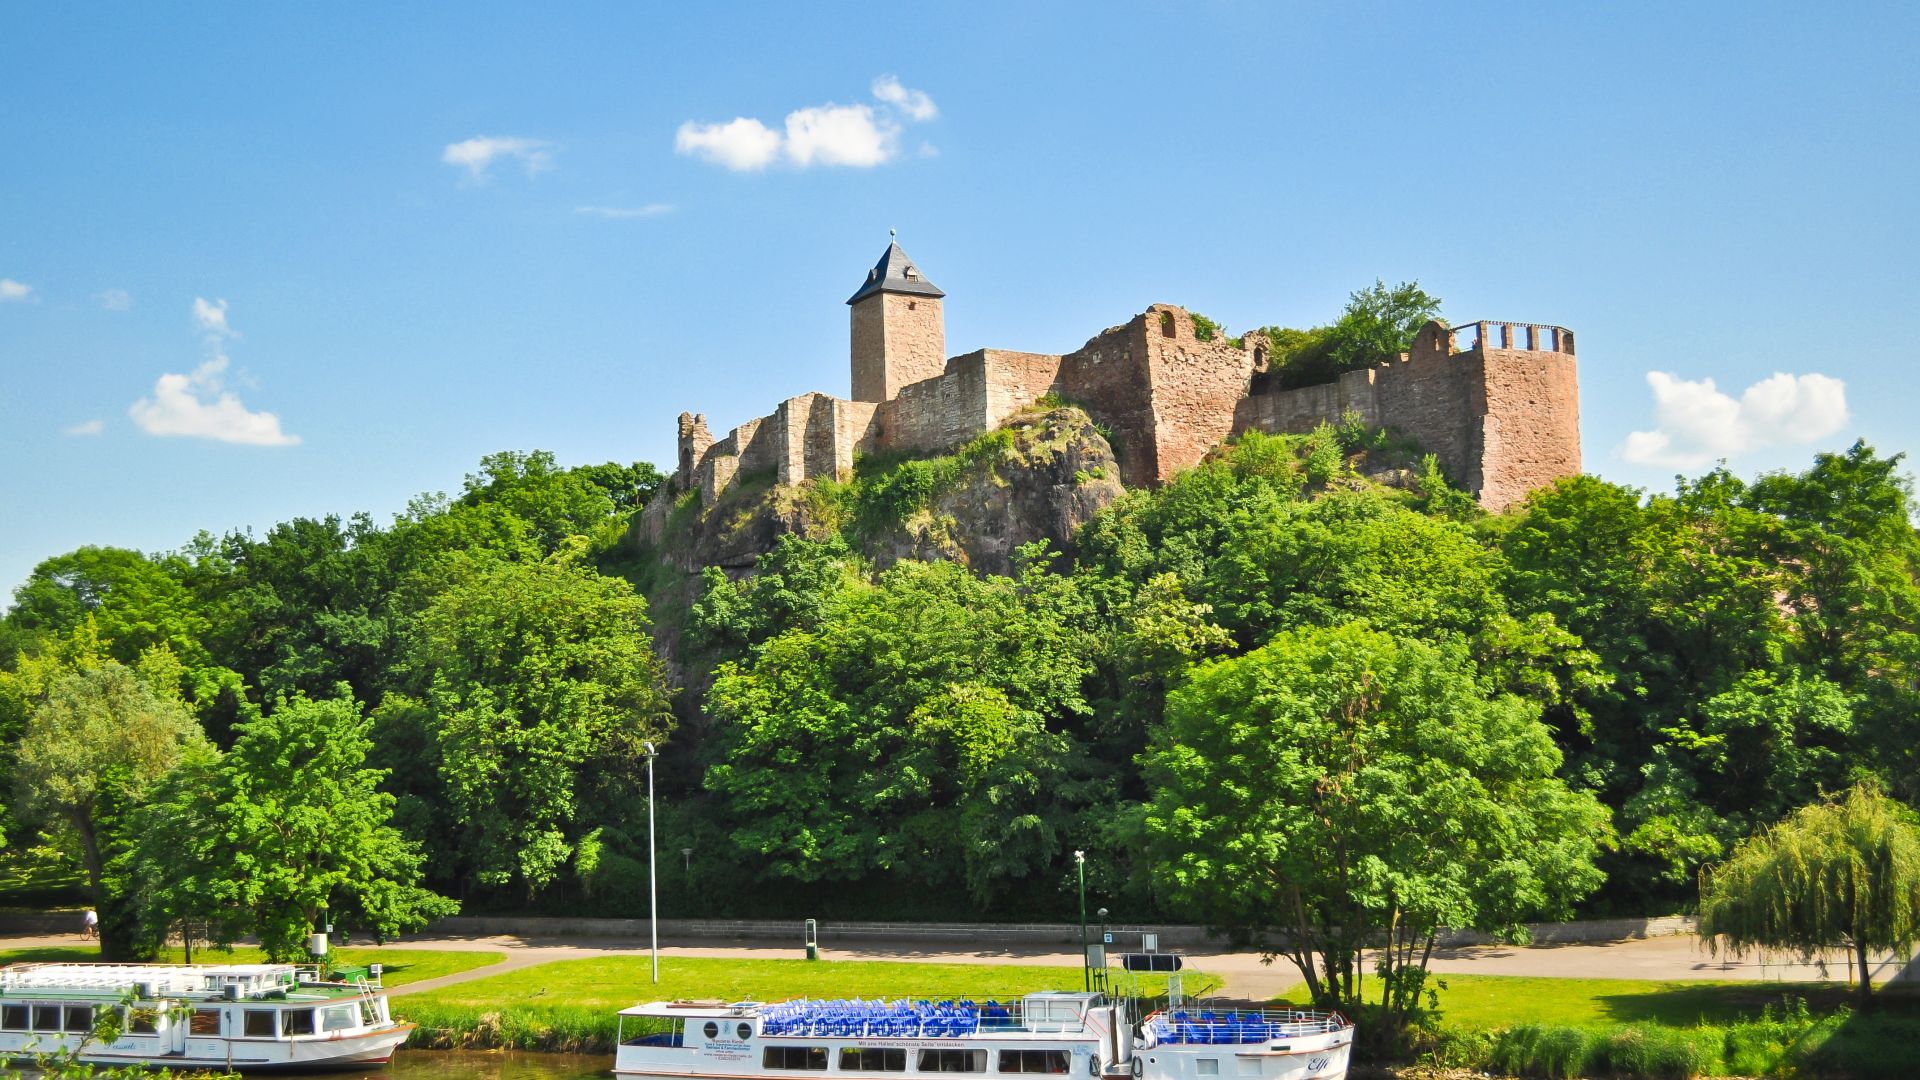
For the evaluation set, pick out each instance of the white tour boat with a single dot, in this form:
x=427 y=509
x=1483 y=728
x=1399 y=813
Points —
x=240 y=1016
x=1057 y=1033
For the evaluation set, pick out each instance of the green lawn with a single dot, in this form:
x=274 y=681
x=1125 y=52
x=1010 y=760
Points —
x=1494 y=1001
x=569 y=1005
x=615 y=982
x=401 y=966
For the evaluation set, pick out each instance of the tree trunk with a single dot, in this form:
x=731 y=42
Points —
x=1866 y=979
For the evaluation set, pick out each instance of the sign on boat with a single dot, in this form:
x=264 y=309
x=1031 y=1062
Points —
x=241 y=1016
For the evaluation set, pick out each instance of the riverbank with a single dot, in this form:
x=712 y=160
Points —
x=1486 y=1024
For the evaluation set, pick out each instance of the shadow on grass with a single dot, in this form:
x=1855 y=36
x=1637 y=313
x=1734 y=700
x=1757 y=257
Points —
x=1725 y=1004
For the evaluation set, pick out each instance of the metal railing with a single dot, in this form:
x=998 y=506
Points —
x=908 y=1019
x=1242 y=1026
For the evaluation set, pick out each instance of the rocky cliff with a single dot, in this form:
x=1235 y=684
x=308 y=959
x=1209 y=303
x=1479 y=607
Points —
x=1038 y=477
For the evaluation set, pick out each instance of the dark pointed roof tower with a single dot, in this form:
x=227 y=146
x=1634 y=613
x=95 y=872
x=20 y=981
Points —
x=895 y=273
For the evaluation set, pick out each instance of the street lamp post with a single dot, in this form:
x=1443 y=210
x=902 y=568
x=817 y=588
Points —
x=1104 y=938
x=1086 y=973
x=653 y=893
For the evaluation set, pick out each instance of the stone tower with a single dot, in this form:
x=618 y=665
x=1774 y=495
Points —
x=899 y=335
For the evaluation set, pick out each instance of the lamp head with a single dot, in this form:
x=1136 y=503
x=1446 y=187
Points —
x=648 y=747
x=1102 y=913
x=1079 y=856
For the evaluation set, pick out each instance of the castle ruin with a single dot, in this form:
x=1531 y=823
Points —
x=1497 y=402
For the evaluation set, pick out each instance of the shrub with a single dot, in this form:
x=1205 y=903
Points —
x=1556 y=1052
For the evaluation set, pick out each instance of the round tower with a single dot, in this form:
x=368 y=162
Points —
x=899 y=334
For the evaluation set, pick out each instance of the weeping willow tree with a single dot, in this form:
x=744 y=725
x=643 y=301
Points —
x=1841 y=873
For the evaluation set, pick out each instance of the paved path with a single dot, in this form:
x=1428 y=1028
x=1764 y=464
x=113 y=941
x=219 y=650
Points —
x=1676 y=957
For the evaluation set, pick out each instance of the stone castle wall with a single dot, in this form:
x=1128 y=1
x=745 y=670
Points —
x=1501 y=414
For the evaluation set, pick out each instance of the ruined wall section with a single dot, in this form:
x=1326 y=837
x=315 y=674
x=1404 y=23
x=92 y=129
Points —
x=1194 y=387
x=1108 y=378
x=934 y=414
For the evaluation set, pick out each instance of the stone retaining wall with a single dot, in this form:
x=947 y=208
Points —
x=1036 y=935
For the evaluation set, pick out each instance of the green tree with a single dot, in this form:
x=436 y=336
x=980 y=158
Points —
x=89 y=754
x=542 y=681
x=1847 y=528
x=913 y=733
x=1839 y=873
x=1339 y=787
x=285 y=834
x=1379 y=323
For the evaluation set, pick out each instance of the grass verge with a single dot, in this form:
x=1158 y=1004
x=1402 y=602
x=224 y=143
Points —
x=569 y=1005
x=399 y=966
x=1555 y=1028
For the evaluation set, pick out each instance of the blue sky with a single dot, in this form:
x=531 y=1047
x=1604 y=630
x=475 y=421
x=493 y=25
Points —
x=414 y=237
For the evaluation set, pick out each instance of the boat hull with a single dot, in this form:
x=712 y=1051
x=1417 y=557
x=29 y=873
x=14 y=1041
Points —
x=292 y=1055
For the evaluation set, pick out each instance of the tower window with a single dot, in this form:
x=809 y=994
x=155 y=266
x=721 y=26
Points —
x=910 y=305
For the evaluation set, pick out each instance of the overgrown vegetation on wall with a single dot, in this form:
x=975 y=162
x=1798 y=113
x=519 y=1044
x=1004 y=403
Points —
x=1378 y=323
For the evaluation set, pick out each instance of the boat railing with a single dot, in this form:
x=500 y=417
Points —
x=907 y=1019
x=1242 y=1025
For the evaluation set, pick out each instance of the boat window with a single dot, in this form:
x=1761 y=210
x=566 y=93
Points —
x=204 y=1022
x=259 y=1024
x=712 y=1030
x=13 y=1018
x=80 y=1019
x=369 y=1012
x=794 y=1057
x=140 y=1021
x=46 y=1018
x=652 y=1031
x=873 y=1059
x=296 y=1022
x=1207 y=1066
x=953 y=1061
x=745 y=1031
x=339 y=1017
x=1035 y=1061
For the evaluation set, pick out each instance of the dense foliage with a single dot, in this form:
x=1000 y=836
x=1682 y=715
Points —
x=1602 y=685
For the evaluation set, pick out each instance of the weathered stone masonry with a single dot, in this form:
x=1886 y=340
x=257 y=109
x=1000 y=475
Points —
x=1498 y=403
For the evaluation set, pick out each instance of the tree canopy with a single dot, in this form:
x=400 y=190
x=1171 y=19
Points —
x=1840 y=873
x=1340 y=785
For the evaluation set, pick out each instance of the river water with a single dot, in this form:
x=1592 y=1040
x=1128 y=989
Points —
x=484 y=1065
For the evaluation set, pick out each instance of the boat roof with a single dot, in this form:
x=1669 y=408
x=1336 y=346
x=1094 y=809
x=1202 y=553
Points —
x=1075 y=999
x=693 y=1008
x=166 y=980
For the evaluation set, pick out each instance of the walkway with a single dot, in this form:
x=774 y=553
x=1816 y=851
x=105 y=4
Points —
x=1676 y=957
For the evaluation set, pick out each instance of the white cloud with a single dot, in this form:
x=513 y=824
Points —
x=618 y=212
x=854 y=136
x=212 y=317
x=1697 y=424
x=840 y=135
x=115 y=300
x=14 y=290
x=740 y=144
x=90 y=427
x=198 y=404
x=917 y=106
x=478 y=154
